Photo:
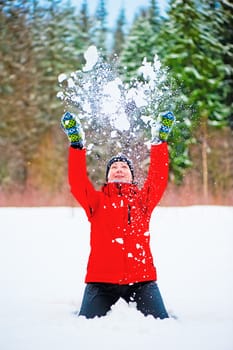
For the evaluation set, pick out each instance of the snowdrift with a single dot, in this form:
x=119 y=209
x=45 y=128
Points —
x=43 y=255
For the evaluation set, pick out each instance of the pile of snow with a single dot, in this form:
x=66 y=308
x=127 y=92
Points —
x=43 y=255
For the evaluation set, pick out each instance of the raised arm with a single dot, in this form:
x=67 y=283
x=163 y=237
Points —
x=157 y=177
x=156 y=181
x=80 y=185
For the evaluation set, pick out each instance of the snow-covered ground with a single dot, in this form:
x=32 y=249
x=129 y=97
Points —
x=43 y=254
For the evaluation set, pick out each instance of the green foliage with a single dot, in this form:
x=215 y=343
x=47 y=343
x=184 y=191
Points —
x=100 y=27
x=224 y=24
x=190 y=47
x=140 y=43
x=41 y=39
x=119 y=33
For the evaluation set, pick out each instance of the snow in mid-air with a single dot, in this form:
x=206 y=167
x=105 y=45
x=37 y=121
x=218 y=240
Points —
x=98 y=93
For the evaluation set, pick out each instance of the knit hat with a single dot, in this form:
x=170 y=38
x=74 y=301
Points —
x=120 y=158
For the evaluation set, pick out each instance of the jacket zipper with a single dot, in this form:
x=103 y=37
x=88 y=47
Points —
x=129 y=214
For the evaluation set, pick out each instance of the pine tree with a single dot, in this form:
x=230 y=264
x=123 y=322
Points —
x=59 y=47
x=17 y=101
x=154 y=16
x=225 y=25
x=37 y=44
x=100 y=28
x=140 y=43
x=119 y=33
x=85 y=23
x=220 y=28
x=192 y=53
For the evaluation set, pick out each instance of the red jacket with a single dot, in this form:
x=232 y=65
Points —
x=119 y=215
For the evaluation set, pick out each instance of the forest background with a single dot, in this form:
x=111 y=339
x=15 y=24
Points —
x=41 y=39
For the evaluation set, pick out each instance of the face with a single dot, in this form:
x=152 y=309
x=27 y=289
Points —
x=119 y=172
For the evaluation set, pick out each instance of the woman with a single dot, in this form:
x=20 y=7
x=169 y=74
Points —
x=120 y=263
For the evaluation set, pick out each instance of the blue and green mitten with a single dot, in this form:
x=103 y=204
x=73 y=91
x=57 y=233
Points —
x=162 y=127
x=72 y=127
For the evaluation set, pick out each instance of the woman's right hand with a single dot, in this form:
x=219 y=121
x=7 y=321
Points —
x=72 y=127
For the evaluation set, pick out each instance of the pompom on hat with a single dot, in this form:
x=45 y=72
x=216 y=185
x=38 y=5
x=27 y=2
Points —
x=120 y=158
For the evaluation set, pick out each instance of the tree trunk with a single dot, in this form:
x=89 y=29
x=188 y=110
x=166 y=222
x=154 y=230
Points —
x=204 y=158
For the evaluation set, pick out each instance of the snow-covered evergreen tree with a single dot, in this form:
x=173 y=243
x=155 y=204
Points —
x=140 y=43
x=85 y=23
x=18 y=102
x=225 y=33
x=192 y=51
x=119 y=34
x=100 y=29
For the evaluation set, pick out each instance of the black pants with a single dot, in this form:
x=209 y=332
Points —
x=99 y=297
